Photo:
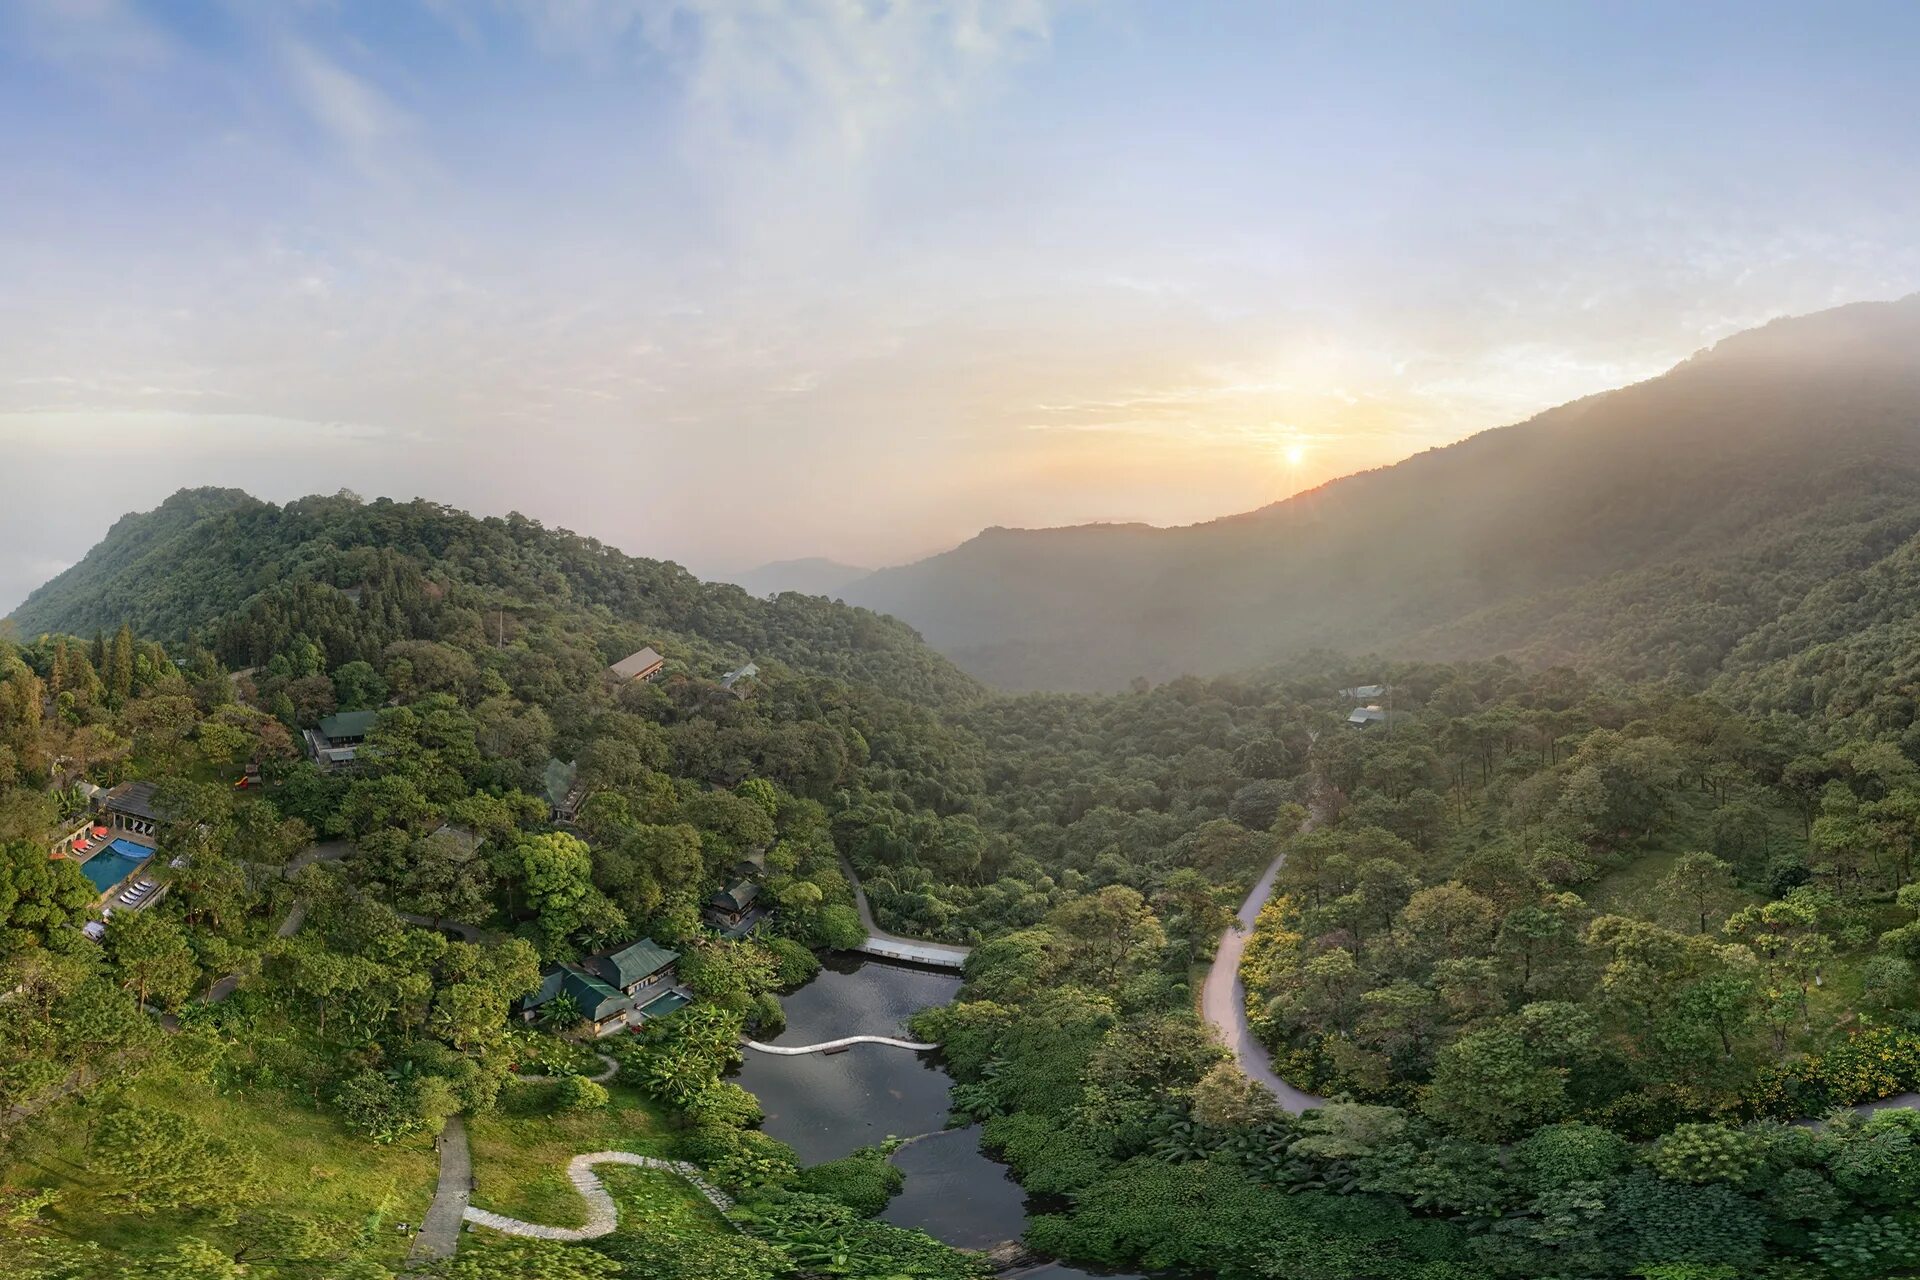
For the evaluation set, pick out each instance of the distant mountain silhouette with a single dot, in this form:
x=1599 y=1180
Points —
x=1676 y=525
x=811 y=575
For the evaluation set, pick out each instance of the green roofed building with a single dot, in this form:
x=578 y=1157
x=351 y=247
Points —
x=601 y=1006
x=635 y=966
x=335 y=741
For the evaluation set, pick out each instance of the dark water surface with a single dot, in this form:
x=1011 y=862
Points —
x=826 y=1106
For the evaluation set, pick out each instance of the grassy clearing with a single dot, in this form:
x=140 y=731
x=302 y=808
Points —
x=521 y=1149
x=307 y=1165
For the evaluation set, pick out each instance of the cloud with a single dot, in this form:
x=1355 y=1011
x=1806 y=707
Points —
x=101 y=37
x=352 y=111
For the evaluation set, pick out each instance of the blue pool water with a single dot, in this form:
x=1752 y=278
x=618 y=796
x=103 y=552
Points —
x=115 y=863
x=663 y=1004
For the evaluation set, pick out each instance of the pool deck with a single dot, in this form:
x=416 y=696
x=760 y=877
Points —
x=107 y=847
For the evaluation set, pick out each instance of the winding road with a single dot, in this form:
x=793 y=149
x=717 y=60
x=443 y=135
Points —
x=1223 y=997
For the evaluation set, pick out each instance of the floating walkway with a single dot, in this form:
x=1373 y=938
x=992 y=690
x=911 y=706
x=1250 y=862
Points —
x=940 y=956
x=890 y=946
x=828 y=1046
x=603 y=1216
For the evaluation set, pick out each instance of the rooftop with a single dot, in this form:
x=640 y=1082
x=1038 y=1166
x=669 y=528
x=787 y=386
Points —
x=637 y=663
x=737 y=896
x=134 y=799
x=632 y=963
x=348 y=724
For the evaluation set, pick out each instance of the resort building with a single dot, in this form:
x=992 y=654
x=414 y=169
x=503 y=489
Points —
x=335 y=742
x=642 y=664
x=1361 y=717
x=620 y=987
x=129 y=809
x=564 y=790
x=729 y=908
x=600 y=1006
x=115 y=844
x=634 y=967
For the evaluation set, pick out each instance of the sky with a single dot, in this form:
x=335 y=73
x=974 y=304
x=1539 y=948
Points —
x=728 y=283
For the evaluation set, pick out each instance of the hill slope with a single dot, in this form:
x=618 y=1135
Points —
x=1668 y=526
x=810 y=575
x=253 y=577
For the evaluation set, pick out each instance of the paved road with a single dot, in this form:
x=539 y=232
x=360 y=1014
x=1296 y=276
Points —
x=440 y=1233
x=892 y=946
x=1223 y=999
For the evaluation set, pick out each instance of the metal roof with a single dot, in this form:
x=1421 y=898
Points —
x=637 y=663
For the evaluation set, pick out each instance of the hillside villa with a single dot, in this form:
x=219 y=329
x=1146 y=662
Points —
x=336 y=740
x=642 y=664
x=620 y=987
x=114 y=844
x=564 y=791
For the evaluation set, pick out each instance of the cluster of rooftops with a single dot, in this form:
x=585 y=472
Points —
x=1371 y=712
x=619 y=987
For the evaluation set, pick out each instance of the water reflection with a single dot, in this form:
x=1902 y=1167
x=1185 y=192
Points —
x=825 y=1106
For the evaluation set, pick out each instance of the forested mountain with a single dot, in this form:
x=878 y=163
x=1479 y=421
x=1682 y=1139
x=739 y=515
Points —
x=356 y=576
x=1757 y=500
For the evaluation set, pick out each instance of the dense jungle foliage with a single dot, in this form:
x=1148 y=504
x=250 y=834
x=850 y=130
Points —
x=1565 y=952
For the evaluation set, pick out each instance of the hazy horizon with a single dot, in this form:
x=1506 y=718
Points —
x=730 y=285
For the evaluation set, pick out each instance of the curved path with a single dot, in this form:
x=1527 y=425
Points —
x=602 y=1214
x=610 y=1067
x=891 y=946
x=1223 y=998
x=795 y=1050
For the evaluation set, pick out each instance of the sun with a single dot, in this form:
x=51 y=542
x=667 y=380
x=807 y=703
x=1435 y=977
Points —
x=1295 y=454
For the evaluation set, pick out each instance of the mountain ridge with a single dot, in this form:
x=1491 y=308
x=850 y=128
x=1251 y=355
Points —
x=1742 y=443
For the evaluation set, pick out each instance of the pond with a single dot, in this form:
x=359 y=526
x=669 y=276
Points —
x=826 y=1105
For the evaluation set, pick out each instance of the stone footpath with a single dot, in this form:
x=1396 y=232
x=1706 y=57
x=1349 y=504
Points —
x=794 y=1050
x=602 y=1214
x=440 y=1233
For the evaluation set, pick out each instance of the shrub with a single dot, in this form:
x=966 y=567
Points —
x=577 y=1094
x=1561 y=1155
x=1707 y=1153
x=863 y=1181
x=794 y=965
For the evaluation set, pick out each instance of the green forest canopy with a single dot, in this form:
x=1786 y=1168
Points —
x=1566 y=948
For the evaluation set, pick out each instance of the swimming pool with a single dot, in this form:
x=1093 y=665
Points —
x=115 y=863
x=664 y=1003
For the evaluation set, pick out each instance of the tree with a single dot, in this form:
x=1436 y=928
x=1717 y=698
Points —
x=38 y=895
x=1101 y=937
x=151 y=955
x=556 y=873
x=119 y=674
x=151 y=1158
x=357 y=686
x=1492 y=1084
x=1698 y=881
